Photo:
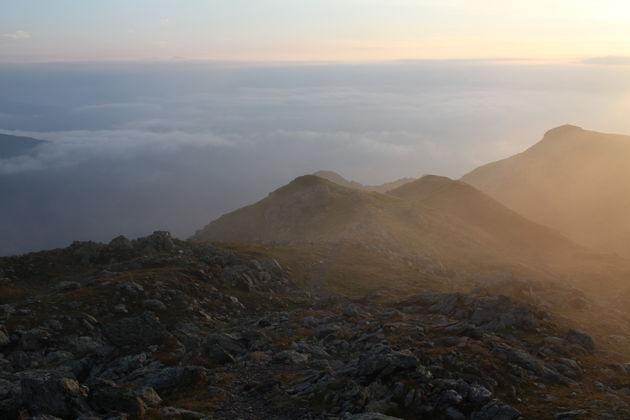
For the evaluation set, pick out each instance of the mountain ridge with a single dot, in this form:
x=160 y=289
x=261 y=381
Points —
x=573 y=180
x=432 y=215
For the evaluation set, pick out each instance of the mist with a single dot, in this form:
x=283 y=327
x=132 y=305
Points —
x=137 y=147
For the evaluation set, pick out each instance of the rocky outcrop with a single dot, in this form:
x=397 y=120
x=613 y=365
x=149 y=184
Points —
x=193 y=332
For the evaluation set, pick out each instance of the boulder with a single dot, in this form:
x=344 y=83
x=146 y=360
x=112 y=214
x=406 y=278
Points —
x=120 y=243
x=371 y=416
x=385 y=362
x=65 y=286
x=290 y=357
x=496 y=410
x=580 y=338
x=53 y=393
x=143 y=330
x=158 y=241
x=222 y=348
x=4 y=339
x=34 y=339
x=10 y=399
x=108 y=397
x=180 y=413
x=171 y=379
x=154 y=305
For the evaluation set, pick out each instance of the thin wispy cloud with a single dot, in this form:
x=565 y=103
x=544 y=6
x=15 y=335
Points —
x=610 y=60
x=17 y=35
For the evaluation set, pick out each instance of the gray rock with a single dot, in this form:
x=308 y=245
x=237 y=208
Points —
x=351 y=311
x=85 y=344
x=158 y=241
x=4 y=339
x=451 y=413
x=180 y=413
x=496 y=410
x=520 y=358
x=59 y=356
x=171 y=379
x=120 y=309
x=479 y=394
x=385 y=362
x=35 y=339
x=371 y=416
x=49 y=392
x=154 y=305
x=10 y=399
x=290 y=357
x=580 y=338
x=108 y=397
x=149 y=396
x=120 y=243
x=65 y=286
x=500 y=313
x=222 y=348
x=53 y=324
x=141 y=330
x=571 y=415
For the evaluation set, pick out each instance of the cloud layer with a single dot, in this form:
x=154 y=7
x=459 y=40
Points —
x=17 y=35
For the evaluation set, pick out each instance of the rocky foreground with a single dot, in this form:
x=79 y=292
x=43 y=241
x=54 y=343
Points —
x=158 y=328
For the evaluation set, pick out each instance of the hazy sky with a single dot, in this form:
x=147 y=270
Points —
x=311 y=30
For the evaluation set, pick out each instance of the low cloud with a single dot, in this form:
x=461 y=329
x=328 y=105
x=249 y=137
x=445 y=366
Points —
x=610 y=60
x=17 y=35
x=71 y=148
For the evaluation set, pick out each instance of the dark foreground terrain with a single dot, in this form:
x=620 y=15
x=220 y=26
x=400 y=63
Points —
x=159 y=328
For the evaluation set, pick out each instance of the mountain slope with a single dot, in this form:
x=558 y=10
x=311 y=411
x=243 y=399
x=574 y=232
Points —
x=490 y=219
x=309 y=208
x=12 y=146
x=573 y=180
x=158 y=328
x=435 y=217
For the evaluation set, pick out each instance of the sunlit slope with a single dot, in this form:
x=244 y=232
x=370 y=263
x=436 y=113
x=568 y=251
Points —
x=485 y=220
x=573 y=180
x=433 y=217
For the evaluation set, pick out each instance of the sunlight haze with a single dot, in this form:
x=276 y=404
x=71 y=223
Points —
x=322 y=30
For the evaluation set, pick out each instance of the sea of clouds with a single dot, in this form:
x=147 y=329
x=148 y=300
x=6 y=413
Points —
x=135 y=147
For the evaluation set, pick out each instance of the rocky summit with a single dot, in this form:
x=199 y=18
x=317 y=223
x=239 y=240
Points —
x=159 y=328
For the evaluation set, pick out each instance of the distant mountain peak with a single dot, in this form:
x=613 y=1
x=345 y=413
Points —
x=335 y=177
x=423 y=186
x=329 y=175
x=563 y=130
x=12 y=146
x=307 y=180
x=573 y=180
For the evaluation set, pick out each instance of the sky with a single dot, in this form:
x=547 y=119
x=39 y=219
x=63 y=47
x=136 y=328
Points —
x=164 y=114
x=321 y=30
